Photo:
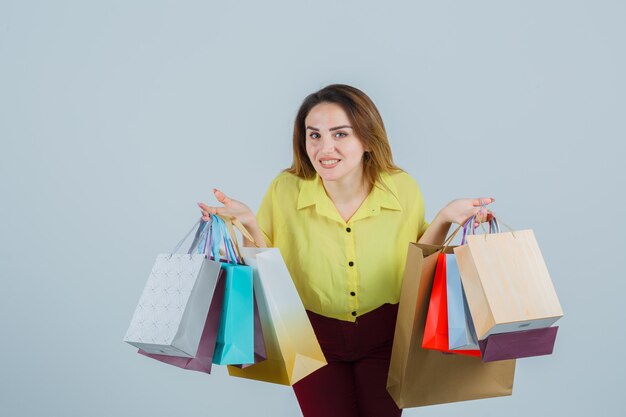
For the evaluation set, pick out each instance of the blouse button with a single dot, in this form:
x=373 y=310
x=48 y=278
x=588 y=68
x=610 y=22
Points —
x=351 y=263
x=348 y=229
x=354 y=313
x=352 y=293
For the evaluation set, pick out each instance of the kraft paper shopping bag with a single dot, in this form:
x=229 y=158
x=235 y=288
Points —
x=420 y=377
x=507 y=283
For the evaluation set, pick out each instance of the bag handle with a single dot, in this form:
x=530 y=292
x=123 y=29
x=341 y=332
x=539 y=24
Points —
x=203 y=234
x=222 y=231
x=469 y=229
x=233 y=221
x=494 y=227
x=222 y=234
x=195 y=240
x=448 y=240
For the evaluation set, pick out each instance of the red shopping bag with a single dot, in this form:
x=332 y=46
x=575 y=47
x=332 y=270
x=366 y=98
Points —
x=436 y=329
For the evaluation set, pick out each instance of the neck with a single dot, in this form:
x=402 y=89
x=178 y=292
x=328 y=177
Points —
x=347 y=189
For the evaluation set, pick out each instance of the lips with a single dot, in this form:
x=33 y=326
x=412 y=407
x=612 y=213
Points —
x=329 y=163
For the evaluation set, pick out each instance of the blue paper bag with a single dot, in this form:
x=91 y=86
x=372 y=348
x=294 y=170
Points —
x=461 y=333
x=235 y=337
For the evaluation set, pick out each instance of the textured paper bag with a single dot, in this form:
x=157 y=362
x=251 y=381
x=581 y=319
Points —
x=172 y=310
x=204 y=356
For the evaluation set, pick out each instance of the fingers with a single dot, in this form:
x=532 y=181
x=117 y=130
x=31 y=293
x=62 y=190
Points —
x=481 y=213
x=483 y=201
x=204 y=209
x=221 y=197
x=207 y=210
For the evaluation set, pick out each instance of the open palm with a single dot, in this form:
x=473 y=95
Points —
x=231 y=208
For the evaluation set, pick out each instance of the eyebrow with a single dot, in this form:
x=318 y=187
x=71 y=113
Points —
x=331 y=129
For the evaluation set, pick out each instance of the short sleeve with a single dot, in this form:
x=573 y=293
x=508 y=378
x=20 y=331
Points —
x=419 y=208
x=422 y=229
x=265 y=215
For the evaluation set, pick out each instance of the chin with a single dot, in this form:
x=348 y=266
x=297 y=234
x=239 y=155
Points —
x=329 y=176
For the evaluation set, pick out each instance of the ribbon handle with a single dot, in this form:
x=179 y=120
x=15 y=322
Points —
x=233 y=221
x=221 y=240
x=196 y=238
x=211 y=234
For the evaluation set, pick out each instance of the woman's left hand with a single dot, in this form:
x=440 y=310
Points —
x=458 y=211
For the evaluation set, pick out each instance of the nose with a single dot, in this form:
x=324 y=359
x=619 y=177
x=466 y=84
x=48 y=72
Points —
x=328 y=144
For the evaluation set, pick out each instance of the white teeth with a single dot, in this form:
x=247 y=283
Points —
x=330 y=162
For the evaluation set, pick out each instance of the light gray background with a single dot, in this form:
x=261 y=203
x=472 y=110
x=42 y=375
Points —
x=117 y=116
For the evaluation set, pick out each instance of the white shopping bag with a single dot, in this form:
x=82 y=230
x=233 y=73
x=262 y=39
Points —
x=172 y=310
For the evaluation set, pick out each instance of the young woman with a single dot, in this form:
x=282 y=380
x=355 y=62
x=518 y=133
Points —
x=342 y=216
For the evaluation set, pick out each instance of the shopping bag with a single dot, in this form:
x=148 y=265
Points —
x=260 y=354
x=461 y=333
x=420 y=377
x=436 y=327
x=293 y=351
x=506 y=282
x=521 y=344
x=172 y=310
x=235 y=338
x=204 y=356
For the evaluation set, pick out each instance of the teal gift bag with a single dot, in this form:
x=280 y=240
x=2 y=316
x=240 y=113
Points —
x=235 y=337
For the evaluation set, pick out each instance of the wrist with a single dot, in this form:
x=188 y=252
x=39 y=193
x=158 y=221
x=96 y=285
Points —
x=442 y=219
x=249 y=221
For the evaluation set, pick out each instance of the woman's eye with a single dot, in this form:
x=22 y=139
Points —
x=340 y=135
x=314 y=136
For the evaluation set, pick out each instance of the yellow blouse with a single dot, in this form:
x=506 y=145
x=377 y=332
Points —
x=343 y=269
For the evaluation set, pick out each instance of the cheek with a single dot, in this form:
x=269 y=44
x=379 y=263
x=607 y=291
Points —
x=310 y=155
x=310 y=150
x=356 y=151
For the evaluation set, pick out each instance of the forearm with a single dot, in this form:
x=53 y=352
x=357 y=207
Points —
x=436 y=232
x=253 y=228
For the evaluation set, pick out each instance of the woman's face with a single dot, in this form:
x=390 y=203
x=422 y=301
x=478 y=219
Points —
x=335 y=152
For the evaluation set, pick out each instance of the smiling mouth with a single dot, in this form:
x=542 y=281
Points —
x=329 y=162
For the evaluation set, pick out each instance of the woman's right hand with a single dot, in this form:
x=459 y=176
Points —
x=231 y=208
